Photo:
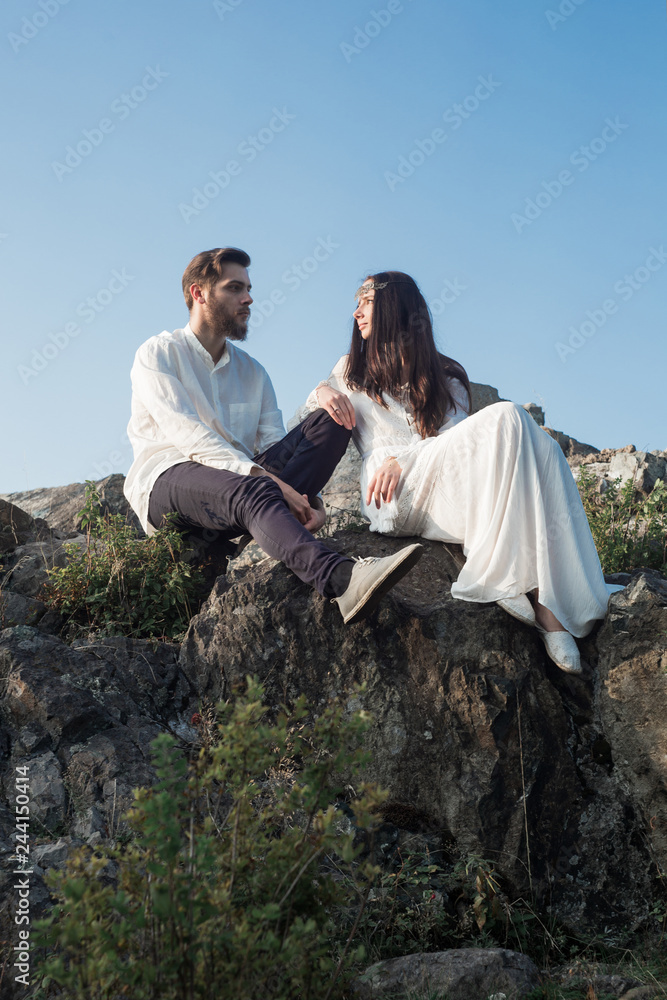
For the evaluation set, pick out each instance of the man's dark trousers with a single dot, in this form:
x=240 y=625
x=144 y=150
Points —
x=221 y=501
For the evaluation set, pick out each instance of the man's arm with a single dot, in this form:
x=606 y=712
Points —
x=156 y=384
x=270 y=427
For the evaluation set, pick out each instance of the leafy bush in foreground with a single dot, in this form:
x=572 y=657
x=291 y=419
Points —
x=220 y=891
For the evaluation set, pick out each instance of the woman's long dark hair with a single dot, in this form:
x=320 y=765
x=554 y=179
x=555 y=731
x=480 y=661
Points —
x=402 y=332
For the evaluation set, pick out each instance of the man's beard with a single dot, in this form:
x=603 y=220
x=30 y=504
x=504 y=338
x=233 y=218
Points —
x=234 y=330
x=231 y=327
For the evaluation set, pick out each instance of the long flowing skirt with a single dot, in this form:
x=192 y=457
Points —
x=500 y=486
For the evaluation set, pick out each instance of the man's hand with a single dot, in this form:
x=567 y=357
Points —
x=311 y=518
x=319 y=517
x=383 y=484
x=337 y=405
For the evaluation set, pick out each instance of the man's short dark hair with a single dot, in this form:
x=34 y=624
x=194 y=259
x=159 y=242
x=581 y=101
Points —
x=207 y=268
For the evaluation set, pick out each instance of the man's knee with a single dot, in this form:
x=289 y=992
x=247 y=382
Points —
x=328 y=426
x=256 y=493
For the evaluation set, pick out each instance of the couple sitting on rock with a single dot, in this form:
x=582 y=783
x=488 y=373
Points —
x=209 y=445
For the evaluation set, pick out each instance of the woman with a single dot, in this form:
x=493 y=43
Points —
x=494 y=482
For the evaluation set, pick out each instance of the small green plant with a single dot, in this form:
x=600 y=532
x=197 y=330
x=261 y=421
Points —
x=221 y=890
x=119 y=582
x=629 y=529
x=488 y=905
x=406 y=912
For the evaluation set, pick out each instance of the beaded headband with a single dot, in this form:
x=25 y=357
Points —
x=370 y=285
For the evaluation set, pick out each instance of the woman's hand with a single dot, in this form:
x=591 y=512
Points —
x=337 y=405
x=383 y=484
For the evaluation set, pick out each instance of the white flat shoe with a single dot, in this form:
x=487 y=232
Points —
x=519 y=608
x=562 y=650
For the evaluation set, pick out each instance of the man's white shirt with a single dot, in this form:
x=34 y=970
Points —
x=185 y=408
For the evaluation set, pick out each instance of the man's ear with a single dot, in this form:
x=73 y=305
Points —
x=198 y=293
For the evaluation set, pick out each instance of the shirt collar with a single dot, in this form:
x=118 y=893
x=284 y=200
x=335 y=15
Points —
x=197 y=346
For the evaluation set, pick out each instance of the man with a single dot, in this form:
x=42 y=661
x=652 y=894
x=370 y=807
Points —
x=209 y=444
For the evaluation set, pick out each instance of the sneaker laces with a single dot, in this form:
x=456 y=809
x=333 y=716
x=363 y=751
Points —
x=365 y=560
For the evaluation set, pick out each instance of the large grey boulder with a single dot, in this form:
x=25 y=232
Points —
x=458 y=974
x=59 y=506
x=29 y=548
x=474 y=728
x=81 y=718
x=16 y=609
x=570 y=447
x=631 y=698
x=483 y=395
x=643 y=468
x=18 y=527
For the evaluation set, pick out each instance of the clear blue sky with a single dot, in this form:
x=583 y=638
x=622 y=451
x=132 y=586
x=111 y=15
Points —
x=532 y=215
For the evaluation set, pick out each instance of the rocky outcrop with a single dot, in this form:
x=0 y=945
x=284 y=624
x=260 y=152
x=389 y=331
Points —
x=35 y=529
x=570 y=447
x=631 y=700
x=25 y=562
x=59 y=506
x=81 y=718
x=459 y=974
x=78 y=720
x=474 y=729
x=17 y=527
x=482 y=743
x=643 y=468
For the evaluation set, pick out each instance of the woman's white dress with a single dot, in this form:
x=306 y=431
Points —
x=494 y=482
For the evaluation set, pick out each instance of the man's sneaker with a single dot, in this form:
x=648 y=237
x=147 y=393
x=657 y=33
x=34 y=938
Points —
x=372 y=578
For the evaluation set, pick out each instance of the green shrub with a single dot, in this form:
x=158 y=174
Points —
x=423 y=904
x=120 y=582
x=629 y=529
x=221 y=889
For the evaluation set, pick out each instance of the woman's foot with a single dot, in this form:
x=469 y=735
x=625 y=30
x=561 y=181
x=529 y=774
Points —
x=560 y=645
x=519 y=608
x=561 y=650
x=545 y=619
